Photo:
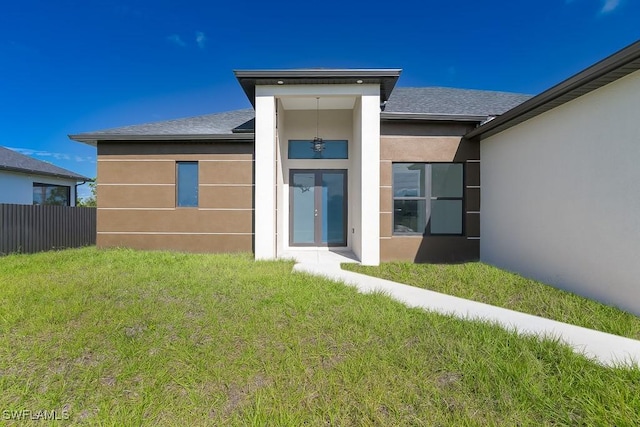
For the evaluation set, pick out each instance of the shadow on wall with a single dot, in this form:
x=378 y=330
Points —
x=447 y=250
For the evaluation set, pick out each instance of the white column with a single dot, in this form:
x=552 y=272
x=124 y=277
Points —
x=265 y=184
x=370 y=179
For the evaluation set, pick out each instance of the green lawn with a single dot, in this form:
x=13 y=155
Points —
x=121 y=337
x=481 y=282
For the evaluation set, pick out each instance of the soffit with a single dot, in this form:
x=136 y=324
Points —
x=322 y=103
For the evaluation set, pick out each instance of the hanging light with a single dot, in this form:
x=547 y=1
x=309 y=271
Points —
x=317 y=144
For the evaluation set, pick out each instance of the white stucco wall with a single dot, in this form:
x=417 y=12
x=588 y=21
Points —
x=18 y=187
x=355 y=183
x=370 y=177
x=265 y=176
x=282 y=224
x=561 y=196
x=360 y=126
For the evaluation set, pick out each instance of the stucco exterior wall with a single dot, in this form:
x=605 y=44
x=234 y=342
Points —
x=360 y=125
x=412 y=142
x=561 y=198
x=355 y=183
x=369 y=171
x=18 y=187
x=137 y=197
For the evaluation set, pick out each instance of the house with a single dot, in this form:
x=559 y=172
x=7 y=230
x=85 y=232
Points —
x=28 y=181
x=250 y=180
x=344 y=159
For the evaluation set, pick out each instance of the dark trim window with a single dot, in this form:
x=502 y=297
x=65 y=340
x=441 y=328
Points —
x=187 y=184
x=333 y=149
x=428 y=198
x=50 y=194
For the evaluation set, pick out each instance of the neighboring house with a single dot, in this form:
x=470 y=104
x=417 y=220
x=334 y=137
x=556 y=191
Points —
x=340 y=158
x=28 y=181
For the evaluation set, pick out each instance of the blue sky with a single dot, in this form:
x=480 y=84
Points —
x=77 y=66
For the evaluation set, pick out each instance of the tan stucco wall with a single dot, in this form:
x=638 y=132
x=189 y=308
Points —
x=137 y=196
x=439 y=142
x=136 y=191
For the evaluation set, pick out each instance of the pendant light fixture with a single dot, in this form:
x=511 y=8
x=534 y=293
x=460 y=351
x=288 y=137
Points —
x=317 y=144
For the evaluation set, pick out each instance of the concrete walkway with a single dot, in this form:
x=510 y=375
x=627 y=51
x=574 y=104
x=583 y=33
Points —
x=606 y=348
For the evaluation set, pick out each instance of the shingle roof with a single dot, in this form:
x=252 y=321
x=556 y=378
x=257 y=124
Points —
x=13 y=161
x=238 y=124
x=449 y=101
x=210 y=124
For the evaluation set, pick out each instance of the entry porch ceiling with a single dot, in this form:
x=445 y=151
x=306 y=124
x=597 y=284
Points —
x=323 y=102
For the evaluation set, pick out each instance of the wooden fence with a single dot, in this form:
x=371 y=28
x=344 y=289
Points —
x=29 y=229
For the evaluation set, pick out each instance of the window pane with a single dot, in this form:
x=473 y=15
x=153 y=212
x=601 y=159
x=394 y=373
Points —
x=446 y=180
x=57 y=195
x=187 y=188
x=303 y=195
x=408 y=180
x=38 y=197
x=48 y=194
x=409 y=216
x=333 y=208
x=446 y=216
x=333 y=149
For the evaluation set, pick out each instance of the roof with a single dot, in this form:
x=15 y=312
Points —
x=13 y=161
x=428 y=103
x=385 y=77
x=442 y=103
x=612 y=68
x=228 y=125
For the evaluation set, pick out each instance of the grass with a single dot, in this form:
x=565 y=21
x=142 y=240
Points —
x=481 y=282
x=119 y=337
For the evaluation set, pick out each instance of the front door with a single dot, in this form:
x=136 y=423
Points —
x=318 y=207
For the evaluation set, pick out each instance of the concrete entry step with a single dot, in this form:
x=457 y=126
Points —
x=322 y=256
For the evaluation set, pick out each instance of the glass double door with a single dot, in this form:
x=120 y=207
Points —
x=318 y=207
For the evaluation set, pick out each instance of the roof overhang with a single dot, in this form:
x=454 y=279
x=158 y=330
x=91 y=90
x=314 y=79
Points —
x=433 y=117
x=76 y=178
x=92 y=139
x=612 y=68
x=385 y=77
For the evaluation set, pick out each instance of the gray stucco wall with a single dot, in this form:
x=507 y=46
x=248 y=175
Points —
x=561 y=196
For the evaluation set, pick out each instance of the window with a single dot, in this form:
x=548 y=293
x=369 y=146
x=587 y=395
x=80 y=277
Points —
x=49 y=194
x=428 y=198
x=333 y=149
x=187 y=184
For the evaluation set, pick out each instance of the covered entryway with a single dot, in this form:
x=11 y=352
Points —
x=311 y=127
x=318 y=207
